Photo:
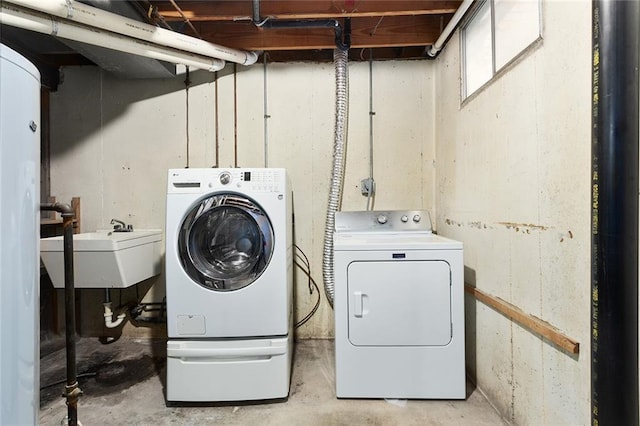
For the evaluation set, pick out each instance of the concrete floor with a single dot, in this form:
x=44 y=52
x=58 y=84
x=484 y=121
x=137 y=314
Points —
x=123 y=384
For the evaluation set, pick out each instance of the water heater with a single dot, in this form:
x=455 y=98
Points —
x=19 y=238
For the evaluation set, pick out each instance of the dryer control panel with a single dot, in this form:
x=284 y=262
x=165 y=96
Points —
x=384 y=221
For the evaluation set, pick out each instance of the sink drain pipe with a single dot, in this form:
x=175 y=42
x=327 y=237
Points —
x=72 y=390
x=109 y=322
x=340 y=58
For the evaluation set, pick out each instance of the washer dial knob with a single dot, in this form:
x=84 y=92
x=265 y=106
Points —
x=382 y=219
x=416 y=218
x=225 y=178
x=404 y=218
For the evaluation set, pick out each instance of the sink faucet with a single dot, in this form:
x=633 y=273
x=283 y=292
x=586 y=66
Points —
x=120 y=226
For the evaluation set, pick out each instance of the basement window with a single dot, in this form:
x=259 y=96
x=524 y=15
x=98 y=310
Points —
x=496 y=34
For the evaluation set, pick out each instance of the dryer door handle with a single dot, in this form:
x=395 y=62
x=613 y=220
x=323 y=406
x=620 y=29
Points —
x=358 y=304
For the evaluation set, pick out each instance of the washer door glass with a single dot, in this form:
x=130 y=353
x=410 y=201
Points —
x=225 y=242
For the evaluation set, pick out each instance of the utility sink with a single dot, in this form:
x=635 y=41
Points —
x=105 y=259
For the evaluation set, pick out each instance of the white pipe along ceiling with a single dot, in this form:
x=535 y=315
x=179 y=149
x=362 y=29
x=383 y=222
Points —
x=32 y=21
x=95 y=26
x=451 y=26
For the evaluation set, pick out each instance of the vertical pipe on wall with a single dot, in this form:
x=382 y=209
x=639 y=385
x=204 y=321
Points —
x=614 y=245
x=216 y=122
x=187 y=83
x=72 y=389
x=235 y=116
x=371 y=114
x=266 y=113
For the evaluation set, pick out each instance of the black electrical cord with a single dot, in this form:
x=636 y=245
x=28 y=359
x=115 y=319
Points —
x=306 y=269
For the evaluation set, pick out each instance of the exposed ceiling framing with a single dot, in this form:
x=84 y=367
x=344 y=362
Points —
x=394 y=28
x=379 y=29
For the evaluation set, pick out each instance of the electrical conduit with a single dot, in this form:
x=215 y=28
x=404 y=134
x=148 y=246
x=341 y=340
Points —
x=340 y=58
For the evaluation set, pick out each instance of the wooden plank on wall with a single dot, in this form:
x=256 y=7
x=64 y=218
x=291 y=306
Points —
x=528 y=321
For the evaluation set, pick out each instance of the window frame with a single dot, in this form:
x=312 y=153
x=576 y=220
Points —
x=495 y=72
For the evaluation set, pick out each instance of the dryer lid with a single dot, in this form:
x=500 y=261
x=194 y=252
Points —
x=225 y=242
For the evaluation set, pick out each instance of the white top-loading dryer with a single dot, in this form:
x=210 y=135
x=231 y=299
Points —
x=399 y=308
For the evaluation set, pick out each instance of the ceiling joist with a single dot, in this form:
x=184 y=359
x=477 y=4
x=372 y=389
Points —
x=420 y=30
x=238 y=10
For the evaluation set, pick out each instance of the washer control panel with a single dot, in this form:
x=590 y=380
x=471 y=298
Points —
x=383 y=221
x=205 y=180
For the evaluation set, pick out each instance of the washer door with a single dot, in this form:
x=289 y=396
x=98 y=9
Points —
x=225 y=242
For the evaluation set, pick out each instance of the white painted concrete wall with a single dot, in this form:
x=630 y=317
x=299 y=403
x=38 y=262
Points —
x=512 y=179
x=113 y=141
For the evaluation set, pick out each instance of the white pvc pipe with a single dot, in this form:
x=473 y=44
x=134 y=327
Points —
x=21 y=18
x=108 y=317
x=98 y=18
x=451 y=26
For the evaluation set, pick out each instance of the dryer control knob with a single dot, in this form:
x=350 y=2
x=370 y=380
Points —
x=225 y=178
x=404 y=218
x=382 y=219
x=416 y=218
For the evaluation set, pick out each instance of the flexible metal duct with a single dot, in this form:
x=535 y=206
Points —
x=340 y=59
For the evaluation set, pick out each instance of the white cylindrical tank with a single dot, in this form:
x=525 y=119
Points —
x=19 y=239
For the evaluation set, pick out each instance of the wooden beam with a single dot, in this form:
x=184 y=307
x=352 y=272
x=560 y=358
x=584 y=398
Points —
x=365 y=32
x=235 y=10
x=528 y=321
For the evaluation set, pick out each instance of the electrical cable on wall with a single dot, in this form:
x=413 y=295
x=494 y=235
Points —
x=306 y=269
x=371 y=182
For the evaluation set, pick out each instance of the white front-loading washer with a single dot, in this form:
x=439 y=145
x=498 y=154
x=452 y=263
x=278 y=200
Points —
x=399 y=308
x=229 y=284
